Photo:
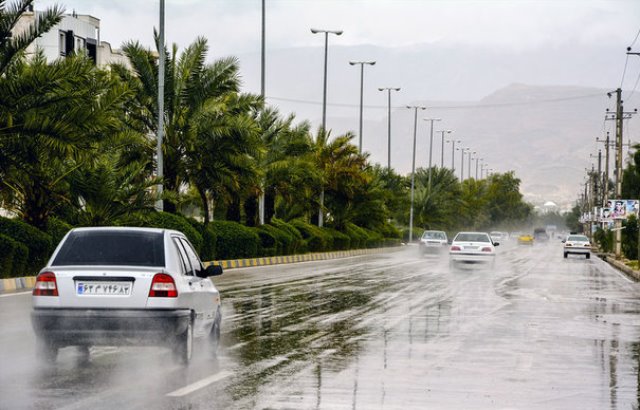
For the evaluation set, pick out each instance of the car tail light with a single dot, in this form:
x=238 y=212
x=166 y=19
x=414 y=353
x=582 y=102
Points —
x=486 y=249
x=46 y=285
x=163 y=286
x=455 y=248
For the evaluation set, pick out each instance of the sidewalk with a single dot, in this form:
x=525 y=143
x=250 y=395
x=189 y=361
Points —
x=618 y=264
x=27 y=283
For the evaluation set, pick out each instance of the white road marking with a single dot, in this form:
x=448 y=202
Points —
x=199 y=384
x=6 y=295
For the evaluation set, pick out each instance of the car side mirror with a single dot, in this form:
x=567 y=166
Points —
x=563 y=241
x=496 y=244
x=211 y=270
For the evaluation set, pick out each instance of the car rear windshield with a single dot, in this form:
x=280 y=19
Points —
x=578 y=238
x=433 y=235
x=112 y=248
x=472 y=237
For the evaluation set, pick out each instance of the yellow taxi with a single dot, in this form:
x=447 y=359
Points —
x=525 y=239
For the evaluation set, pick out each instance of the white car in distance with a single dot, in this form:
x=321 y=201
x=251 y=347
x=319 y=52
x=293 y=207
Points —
x=472 y=247
x=125 y=286
x=433 y=242
x=578 y=245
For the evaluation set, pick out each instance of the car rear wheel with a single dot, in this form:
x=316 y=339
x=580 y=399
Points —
x=215 y=333
x=47 y=350
x=588 y=255
x=184 y=345
x=565 y=255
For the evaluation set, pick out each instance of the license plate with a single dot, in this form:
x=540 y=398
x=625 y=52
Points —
x=104 y=288
x=469 y=248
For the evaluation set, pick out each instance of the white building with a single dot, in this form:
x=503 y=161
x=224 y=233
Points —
x=75 y=33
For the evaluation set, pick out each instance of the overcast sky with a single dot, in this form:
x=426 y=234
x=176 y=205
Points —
x=233 y=26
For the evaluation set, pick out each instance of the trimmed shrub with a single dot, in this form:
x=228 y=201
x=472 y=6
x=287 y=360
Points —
x=234 y=240
x=298 y=244
x=316 y=238
x=7 y=252
x=284 y=240
x=209 y=239
x=57 y=229
x=374 y=239
x=38 y=242
x=341 y=241
x=168 y=221
x=20 y=258
x=357 y=235
x=268 y=244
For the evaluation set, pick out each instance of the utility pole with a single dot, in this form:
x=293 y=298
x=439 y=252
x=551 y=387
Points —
x=431 y=146
x=605 y=182
x=619 y=119
x=160 y=160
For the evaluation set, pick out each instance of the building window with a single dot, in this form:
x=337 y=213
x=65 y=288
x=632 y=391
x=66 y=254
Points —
x=62 y=43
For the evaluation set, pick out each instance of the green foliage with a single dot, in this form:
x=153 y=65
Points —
x=317 y=239
x=358 y=236
x=57 y=229
x=572 y=220
x=268 y=245
x=38 y=242
x=341 y=241
x=234 y=240
x=168 y=221
x=294 y=237
x=629 y=242
x=7 y=251
x=604 y=239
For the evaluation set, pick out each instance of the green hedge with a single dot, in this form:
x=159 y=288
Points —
x=317 y=239
x=298 y=244
x=7 y=253
x=341 y=241
x=38 y=242
x=168 y=221
x=234 y=240
x=268 y=245
x=358 y=235
x=57 y=229
x=283 y=240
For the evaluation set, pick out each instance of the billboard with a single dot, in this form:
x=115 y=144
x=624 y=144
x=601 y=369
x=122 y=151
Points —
x=619 y=209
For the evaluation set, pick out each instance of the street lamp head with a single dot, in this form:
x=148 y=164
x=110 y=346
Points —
x=336 y=32
x=353 y=62
x=396 y=89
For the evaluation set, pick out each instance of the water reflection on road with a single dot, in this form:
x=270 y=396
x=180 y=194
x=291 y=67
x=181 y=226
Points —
x=403 y=332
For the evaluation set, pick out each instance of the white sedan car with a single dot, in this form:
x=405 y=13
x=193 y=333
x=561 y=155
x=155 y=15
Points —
x=125 y=286
x=577 y=244
x=472 y=247
x=433 y=242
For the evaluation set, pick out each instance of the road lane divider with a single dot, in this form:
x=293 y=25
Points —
x=200 y=384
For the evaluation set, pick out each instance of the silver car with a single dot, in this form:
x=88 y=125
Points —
x=433 y=242
x=125 y=286
x=577 y=244
x=472 y=247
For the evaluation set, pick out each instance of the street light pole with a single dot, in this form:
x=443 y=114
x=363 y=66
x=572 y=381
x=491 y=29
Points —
x=469 y=172
x=453 y=151
x=413 y=164
x=160 y=134
x=477 y=166
x=362 y=64
x=389 y=89
x=324 y=88
x=431 y=146
x=442 y=152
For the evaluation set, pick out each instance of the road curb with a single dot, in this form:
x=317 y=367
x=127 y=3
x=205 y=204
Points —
x=621 y=266
x=27 y=282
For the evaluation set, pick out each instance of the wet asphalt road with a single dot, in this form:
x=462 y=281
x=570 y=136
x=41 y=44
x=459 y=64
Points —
x=392 y=331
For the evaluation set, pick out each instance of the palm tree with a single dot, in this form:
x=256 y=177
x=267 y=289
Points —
x=12 y=42
x=339 y=165
x=437 y=208
x=54 y=116
x=195 y=92
x=283 y=161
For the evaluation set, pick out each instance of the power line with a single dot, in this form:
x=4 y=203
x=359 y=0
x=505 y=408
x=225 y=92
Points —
x=450 y=107
x=635 y=39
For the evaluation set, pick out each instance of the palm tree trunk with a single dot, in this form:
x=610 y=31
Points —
x=269 y=204
x=320 y=211
x=251 y=210
x=233 y=211
x=205 y=206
